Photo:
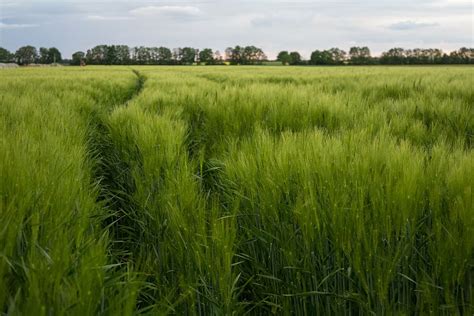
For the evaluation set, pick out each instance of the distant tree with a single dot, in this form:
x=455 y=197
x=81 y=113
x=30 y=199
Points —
x=177 y=55
x=436 y=55
x=141 y=55
x=295 y=58
x=5 y=55
x=218 y=59
x=228 y=53
x=235 y=55
x=467 y=55
x=247 y=55
x=360 y=55
x=394 y=56
x=49 y=55
x=122 y=54
x=463 y=55
x=54 y=55
x=321 y=58
x=196 y=55
x=316 y=57
x=419 y=56
x=251 y=55
x=77 y=58
x=239 y=55
x=338 y=56
x=284 y=57
x=111 y=55
x=188 y=55
x=414 y=56
x=445 y=59
x=154 y=55
x=453 y=58
x=164 y=56
x=97 y=55
x=26 y=55
x=206 y=56
x=43 y=55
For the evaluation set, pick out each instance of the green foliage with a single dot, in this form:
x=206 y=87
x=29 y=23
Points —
x=206 y=56
x=284 y=57
x=248 y=55
x=418 y=56
x=360 y=56
x=236 y=190
x=333 y=56
x=78 y=58
x=238 y=55
x=49 y=55
x=188 y=55
x=111 y=55
x=5 y=55
x=295 y=58
x=26 y=55
x=164 y=55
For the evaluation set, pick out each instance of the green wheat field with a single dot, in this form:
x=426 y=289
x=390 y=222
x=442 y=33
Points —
x=237 y=191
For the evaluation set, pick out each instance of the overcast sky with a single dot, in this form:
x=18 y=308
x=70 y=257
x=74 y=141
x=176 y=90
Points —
x=274 y=25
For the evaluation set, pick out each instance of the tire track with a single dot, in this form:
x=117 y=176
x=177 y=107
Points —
x=112 y=177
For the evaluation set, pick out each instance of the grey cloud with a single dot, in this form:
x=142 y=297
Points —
x=280 y=19
x=166 y=10
x=410 y=25
x=16 y=26
x=107 y=18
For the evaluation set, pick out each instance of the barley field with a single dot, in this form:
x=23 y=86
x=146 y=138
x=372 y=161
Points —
x=237 y=191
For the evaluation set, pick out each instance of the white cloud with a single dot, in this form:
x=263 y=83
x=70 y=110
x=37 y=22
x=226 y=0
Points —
x=166 y=10
x=455 y=2
x=410 y=25
x=107 y=18
x=16 y=26
x=282 y=18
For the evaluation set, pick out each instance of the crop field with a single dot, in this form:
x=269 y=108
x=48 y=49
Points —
x=237 y=190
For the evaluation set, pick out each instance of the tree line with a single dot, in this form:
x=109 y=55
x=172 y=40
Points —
x=29 y=55
x=394 y=56
x=124 y=55
x=238 y=55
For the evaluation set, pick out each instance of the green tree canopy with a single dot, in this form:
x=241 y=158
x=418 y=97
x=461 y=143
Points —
x=43 y=55
x=359 y=55
x=26 y=55
x=338 y=56
x=394 y=56
x=164 y=55
x=54 y=55
x=295 y=58
x=206 y=56
x=77 y=58
x=284 y=57
x=319 y=57
x=5 y=55
x=49 y=55
x=188 y=55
